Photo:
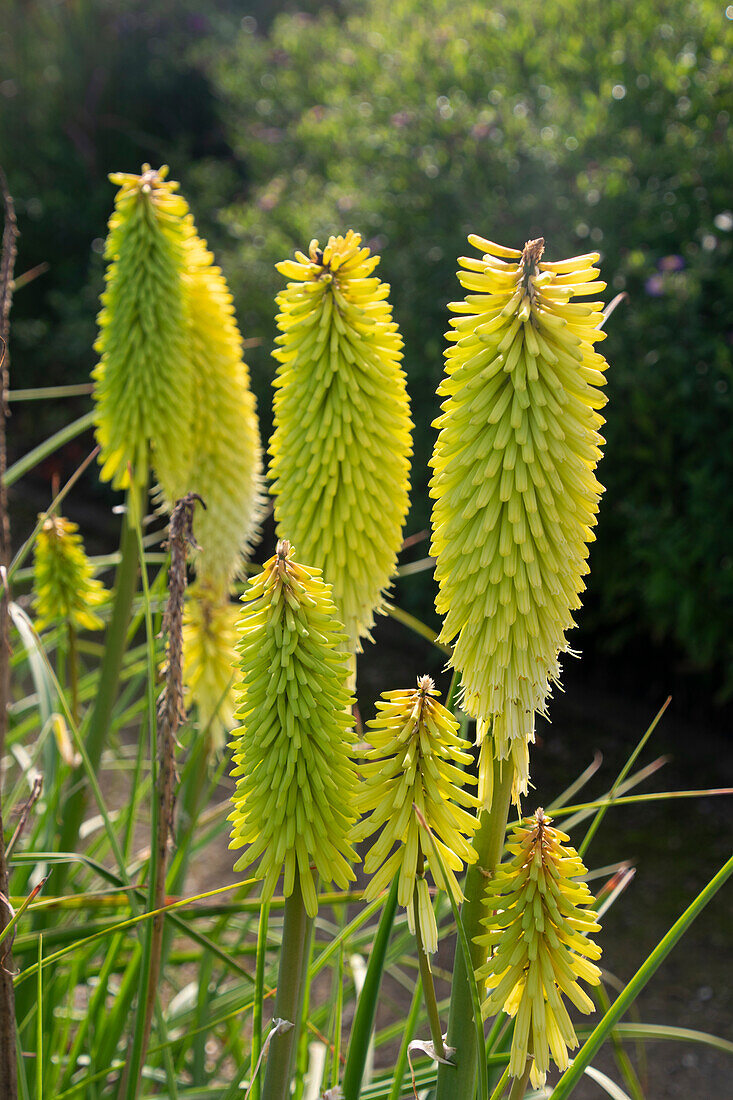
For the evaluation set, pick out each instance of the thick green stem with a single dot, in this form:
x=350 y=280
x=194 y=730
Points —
x=460 y=1079
x=366 y=1009
x=73 y=673
x=255 y=1087
x=109 y=674
x=519 y=1084
x=297 y=929
x=428 y=986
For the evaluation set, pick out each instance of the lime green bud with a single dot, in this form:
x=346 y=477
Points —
x=416 y=761
x=143 y=381
x=515 y=492
x=538 y=931
x=63 y=580
x=210 y=659
x=227 y=467
x=296 y=781
x=341 y=446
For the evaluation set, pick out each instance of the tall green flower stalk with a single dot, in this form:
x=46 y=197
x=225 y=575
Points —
x=516 y=499
x=296 y=780
x=514 y=482
x=538 y=927
x=342 y=440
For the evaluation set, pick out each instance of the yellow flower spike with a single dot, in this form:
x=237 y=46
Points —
x=538 y=928
x=210 y=659
x=227 y=469
x=296 y=782
x=515 y=491
x=64 y=586
x=342 y=440
x=144 y=387
x=415 y=760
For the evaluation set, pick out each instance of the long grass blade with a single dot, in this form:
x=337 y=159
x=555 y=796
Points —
x=595 y=1041
x=366 y=1008
x=48 y=447
x=595 y=823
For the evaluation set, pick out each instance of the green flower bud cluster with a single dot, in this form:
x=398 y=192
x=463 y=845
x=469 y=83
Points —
x=538 y=931
x=64 y=587
x=416 y=760
x=515 y=491
x=296 y=780
x=342 y=440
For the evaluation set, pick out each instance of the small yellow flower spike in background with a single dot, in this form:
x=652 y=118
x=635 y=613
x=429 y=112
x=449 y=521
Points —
x=415 y=761
x=296 y=780
x=210 y=659
x=515 y=491
x=65 y=589
x=342 y=440
x=538 y=928
x=144 y=385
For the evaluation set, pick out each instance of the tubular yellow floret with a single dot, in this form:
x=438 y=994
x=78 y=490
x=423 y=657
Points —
x=227 y=466
x=515 y=491
x=144 y=386
x=341 y=445
x=296 y=781
x=538 y=931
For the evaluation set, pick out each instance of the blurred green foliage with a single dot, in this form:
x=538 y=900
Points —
x=597 y=126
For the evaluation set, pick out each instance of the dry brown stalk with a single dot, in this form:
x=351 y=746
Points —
x=171 y=712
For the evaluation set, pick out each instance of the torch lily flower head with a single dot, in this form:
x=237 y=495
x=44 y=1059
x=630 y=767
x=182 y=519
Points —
x=210 y=659
x=296 y=780
x=514 y=482
x=227 y=471
x=144 y=384
x=64 y=586
x=342 y=440
x=538 y=931
x=415 y=762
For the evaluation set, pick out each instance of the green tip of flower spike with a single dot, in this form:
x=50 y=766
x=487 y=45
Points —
x=210 y=659
x=416 y=759
x=515 y=491
x=296 y=781
x=342 y=440
x=64 y=586
x=538 y=930
x=143 y=380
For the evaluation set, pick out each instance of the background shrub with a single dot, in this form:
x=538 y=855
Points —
x=415 y=121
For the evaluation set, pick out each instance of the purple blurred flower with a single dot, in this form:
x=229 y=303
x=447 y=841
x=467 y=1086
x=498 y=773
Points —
x=671 y=263
x=199 y=24
x=654 y=286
